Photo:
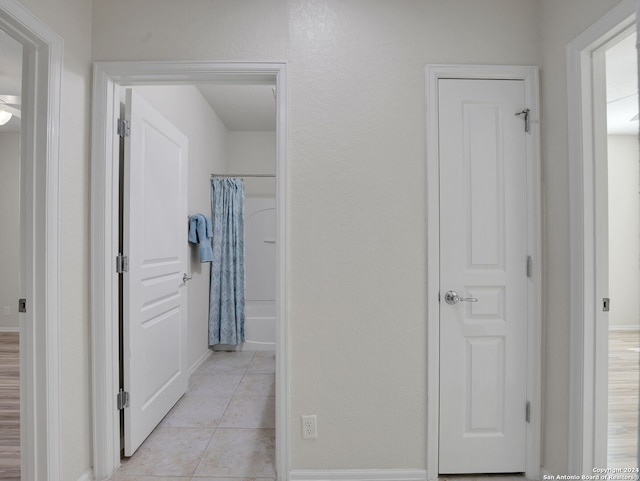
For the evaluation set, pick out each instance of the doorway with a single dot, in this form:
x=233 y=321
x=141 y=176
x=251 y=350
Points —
x=39 y=139
x=623 y=252
x=10 y=255
x=437 y=271
x=589 y=237
x=111 y=77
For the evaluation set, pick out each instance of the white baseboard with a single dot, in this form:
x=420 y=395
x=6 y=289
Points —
x=624 y=328
x=199 y=362
x=358 y=475
x=9 y=329
x=87 y=475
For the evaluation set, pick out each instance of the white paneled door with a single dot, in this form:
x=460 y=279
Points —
x=483 y=276
x=155 y=298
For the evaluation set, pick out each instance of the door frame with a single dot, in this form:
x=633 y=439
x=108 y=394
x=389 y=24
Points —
x=586 y=84
x=528 y=74
x=40 y=405
x=108 y=77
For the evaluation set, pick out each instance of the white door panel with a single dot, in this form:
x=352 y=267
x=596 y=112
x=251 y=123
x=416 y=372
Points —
x=155 y=239
x=483 y=248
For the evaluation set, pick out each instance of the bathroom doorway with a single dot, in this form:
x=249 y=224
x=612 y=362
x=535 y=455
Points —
x=113 y=76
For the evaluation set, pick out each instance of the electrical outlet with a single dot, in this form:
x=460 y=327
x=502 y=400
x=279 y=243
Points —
x=309 y=426
x=7 y=311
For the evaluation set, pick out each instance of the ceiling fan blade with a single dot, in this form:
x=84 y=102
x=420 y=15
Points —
x=10 y=99
x=12 y=110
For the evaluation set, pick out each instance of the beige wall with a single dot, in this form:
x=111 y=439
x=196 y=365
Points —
x=10 y=232
x=357 y=193
x=357 y=186
x=253 y=153
x=624 y=232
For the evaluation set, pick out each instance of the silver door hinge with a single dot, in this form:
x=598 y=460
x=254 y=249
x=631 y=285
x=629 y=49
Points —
x=529 y=266
x=527 y=412
x=22 y=305
x=123 y=128
x=606 y=304
x=122 y=264
x=122 y=400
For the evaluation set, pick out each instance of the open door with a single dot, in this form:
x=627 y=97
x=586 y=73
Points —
x=154 y=295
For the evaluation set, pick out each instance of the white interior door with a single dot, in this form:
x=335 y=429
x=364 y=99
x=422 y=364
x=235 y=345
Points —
x=483 y=252
x=155 y=240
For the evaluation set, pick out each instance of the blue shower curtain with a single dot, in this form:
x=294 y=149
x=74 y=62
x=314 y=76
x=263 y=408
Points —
x=226 y=299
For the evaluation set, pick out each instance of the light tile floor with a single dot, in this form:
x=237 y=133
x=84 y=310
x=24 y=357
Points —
x=223 y=427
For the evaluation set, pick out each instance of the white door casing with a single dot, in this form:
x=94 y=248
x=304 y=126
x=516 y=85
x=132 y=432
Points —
x=108 y=78
x=483 y=234
x=155 y=241
x=39 y=211
x=529 y=76
x=587 y=191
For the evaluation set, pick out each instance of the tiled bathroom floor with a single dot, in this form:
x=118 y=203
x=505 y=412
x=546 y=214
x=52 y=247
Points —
x=223 y=427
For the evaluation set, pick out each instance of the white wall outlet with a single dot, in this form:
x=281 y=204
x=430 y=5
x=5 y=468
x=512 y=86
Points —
x=309 y=426
x=7 y=311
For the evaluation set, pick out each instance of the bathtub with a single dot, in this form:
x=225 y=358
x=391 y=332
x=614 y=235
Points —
x=260 y=326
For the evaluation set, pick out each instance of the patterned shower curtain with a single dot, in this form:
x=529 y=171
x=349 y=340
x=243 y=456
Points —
x=226 y=298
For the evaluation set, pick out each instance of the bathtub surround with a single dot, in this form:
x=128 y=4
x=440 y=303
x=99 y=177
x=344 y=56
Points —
x=260 y=263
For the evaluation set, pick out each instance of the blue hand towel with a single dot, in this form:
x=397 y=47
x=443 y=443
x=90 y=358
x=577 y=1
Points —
x=200 y=232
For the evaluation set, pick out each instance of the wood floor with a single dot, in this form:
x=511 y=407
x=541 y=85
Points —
x=624 y=357
x=9 y=407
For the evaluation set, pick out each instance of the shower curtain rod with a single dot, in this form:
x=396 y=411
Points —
x=243 y=175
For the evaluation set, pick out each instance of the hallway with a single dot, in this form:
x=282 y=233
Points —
x=224 y=426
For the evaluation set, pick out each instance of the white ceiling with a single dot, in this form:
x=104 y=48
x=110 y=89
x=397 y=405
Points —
x=242 y=107
x=622 y=87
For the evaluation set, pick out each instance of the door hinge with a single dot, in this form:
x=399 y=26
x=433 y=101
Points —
x=122 y=400
x=22 y=305
x=122 y=264
x=123 y=128
x=606 y=304
x=527 y=412
x=529 y=266
x=527 y=123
